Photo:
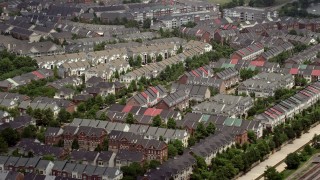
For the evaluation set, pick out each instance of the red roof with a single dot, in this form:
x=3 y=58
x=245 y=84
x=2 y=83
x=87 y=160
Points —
x=127 y=108
x=39 y=75
x=302 y=92
x=148 y=112
x=249 y=49
x=225 y=26
x=315 y=72
x=278 y=112
x=201 y=68
x=234 y=61
x=144 y=95
x=270 y=114
x=154 y=89
x=294 y=71
x=241 y=52
x=195 y=73
x=313 y=89
x=157 y=112
x=217 y=21
x=257 y=63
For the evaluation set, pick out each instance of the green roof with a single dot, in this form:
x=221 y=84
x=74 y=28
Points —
x=204 y=118
x=302 y=66
x=251 y=67
x=12 y=81
x=232 y=122
x=225 y=65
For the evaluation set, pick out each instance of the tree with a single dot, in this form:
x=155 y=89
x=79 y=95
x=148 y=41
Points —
x=10 y=136
x=171 y=124
x=154 y=164
x=172 y=151
x=157 y=121
x=138 y=61
x=63 y=116
x=3 y=145
x=192 y=141
x=29 y=132
x=110 y=99
x=247 y=73
x=178 y=145
x=146 y=23
x=308 y=149
x=48 y=157
x=123 y=101
x=293 y=32
x=105 y=145
x=180 y=50
x=272 y=174
x=132 y=171
x=252 y=136
x=130 y=119
x=210 y=129
x=292 y=161
x=201 y=131
x=75 y=144
x=159 y=58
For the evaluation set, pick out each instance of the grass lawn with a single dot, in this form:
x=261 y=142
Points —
x=278 y=2
x=220 y=1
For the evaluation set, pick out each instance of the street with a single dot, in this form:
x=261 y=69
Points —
x=280 y=155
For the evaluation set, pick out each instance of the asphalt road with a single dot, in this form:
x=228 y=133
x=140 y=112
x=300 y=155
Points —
x=280 y=155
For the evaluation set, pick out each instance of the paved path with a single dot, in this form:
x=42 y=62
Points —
x=280 y=155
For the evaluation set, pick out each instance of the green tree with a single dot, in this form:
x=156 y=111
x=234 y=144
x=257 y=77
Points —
x=10 y=136
x=63 y=116
x=171 y=124
x=159 y=58
x=153 y=164
x=105 y=145
x=172 y=151
x=75 y=144
x=292 y=160
x=146 y=23
x=130 y=119
x=180 y=50
x=29 y=132
x=157 y=121
x=110 y=99
x=3 y=145
x=48 y=157
x=272 y=174
x=210 y=129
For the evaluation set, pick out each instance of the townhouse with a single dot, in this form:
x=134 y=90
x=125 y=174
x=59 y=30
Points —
x=275 y=51
x=265 y=84
x=152 y=149
x=149 y=97
x=197 y=93
x=249 y=13
x=299 y=39
x=49 y=169
x=309 y=54
x=309 y=72
x=249 y=53
x=287 y=108
x=102 y=88
x=227 y=105
x=77 y=68
x=177 y=100
x=44 y=103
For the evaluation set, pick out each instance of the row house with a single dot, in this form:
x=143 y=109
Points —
x=249 y=53
x=73 y=68
x=83 y=171
x=149 y=97
x=177 y=100
x=197 y=93
x=249 y=13
x=224 y=36
x=265 y=84
x=32 y=146
x=192 y=48
x=152 y=51
x=50 y=62
x=227 y=105
x=229 y=76
x=299 y=39
x=109 y=55
x=309 y=54
x=102 y=88
x=152 y=149
x=275 y=51
x=107 y=70
x=47 y=102
x=309 y=72
x=287 y=108
x=166 y=134
x=25 y=79
x=144 y=111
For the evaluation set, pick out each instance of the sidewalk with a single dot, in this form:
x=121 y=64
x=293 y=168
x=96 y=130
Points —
x=280 y=155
